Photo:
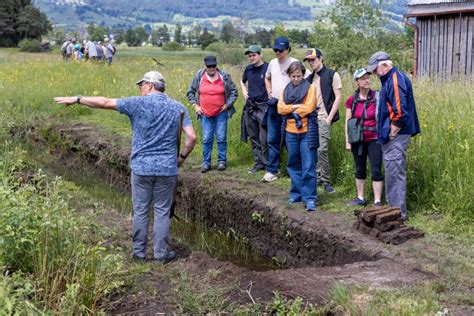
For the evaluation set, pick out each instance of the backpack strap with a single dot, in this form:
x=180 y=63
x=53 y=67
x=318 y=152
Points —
x=354 y=101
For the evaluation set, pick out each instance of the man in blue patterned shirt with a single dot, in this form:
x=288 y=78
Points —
x=154 y=161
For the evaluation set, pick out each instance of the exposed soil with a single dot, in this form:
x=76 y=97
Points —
x=317 y=248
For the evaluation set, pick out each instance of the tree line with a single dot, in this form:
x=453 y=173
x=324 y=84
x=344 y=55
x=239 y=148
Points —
x=349 y=33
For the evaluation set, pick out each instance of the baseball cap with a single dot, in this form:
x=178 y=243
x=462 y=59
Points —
x=375 y=59
x=253 y=49
x=313 y=53
x=281 y=43
x=359 y=73
x=210 y=60
x=152 y=76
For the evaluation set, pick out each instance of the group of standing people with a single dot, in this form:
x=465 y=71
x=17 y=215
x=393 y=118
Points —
x=287 y=104
x=96 y=51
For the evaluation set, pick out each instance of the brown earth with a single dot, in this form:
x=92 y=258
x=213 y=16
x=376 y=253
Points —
x=319 y=248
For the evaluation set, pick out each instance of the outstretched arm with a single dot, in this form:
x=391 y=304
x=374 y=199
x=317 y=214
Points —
x=92 y=102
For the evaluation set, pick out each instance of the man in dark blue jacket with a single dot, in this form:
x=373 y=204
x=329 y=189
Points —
x=397 y=122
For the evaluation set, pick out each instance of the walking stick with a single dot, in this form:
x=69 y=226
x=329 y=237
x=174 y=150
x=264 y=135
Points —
x=173 y=205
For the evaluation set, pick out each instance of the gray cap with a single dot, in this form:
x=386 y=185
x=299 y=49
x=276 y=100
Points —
x=153 y=77
x=375 y=59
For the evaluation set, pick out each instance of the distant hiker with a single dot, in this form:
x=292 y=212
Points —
x=276 y=79
x=91 y=50
x=297 y=104
x=154 y=118
x=361 y=137
x=255 y=108
x=329 y=87
x=397 y=122
x=78 y=56
x=213 y=94
x=100 y=51
x=109 y=50
x=67 y=49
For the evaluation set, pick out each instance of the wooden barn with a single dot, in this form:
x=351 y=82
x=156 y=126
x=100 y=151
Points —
x=444 y=37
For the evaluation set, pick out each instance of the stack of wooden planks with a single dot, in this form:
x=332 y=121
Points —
x=385 y=223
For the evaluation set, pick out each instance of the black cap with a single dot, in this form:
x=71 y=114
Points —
x=210 y=60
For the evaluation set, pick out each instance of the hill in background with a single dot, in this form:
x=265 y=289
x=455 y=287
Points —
x=125 y=13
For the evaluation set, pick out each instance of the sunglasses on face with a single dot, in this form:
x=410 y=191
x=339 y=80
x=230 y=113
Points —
x=278 y=50
x=211 y=66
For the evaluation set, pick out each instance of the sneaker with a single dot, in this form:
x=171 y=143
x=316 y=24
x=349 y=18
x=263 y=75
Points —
x=329 y=189
x=255 y=169
x=269 y=177
x=378 y=204
x=170 y=256
x=221 y=166
x=205 y=168
x=357 y=202
x=294 y=201
x=310 y=206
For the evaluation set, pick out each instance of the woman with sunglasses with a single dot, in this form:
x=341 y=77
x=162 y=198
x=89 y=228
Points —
x=362 y=106
x=213 y=94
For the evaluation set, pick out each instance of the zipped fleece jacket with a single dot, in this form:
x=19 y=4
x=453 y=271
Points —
x=229 y=87
x=397 y=106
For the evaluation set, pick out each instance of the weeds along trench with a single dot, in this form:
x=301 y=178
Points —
x=264 y=235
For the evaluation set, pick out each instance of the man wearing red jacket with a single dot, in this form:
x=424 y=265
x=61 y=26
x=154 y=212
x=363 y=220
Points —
x=397 y=122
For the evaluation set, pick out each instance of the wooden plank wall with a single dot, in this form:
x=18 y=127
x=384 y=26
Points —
x=446 y=45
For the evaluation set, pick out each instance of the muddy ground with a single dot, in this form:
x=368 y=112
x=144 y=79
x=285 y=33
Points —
x=318 y=248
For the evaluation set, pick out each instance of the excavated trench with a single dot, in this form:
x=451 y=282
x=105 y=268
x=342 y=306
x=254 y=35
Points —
x=277 y=231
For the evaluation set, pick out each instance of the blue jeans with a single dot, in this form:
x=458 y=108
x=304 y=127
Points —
x=273 y=140
x=159 y=191
x=301 y=168
x=214 y=125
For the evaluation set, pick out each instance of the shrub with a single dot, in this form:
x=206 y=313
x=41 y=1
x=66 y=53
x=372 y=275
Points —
x=173 y=46
x=45 y=240
x=231 y=53
x=30 y=45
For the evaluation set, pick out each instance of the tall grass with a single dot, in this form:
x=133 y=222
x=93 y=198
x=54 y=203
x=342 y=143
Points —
x=45 y=242
x=440 y=159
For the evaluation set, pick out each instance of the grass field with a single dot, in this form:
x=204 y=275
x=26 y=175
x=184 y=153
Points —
x=440 y=160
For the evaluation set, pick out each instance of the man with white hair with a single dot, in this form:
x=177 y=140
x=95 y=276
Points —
x=397 y=122
x=109 y=51
x=155 y=120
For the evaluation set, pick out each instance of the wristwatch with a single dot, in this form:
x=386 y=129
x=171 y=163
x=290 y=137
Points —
x=78 y=99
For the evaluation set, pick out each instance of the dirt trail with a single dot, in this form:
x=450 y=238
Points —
x=319 y=247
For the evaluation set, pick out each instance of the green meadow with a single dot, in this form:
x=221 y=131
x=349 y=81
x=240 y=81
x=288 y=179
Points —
x=440 y=159
x=440 y=172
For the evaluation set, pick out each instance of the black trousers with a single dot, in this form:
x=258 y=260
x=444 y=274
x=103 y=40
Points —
x=254 y=114
x=374 y=152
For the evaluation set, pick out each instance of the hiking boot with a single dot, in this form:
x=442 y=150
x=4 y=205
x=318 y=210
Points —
x=205 y=168
x=221 y=166
x=310 y=206
x=255 y=169
x=294 y=201
x=328 y=188
x=170 y=256
x=269 y=177
x=357 y=202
